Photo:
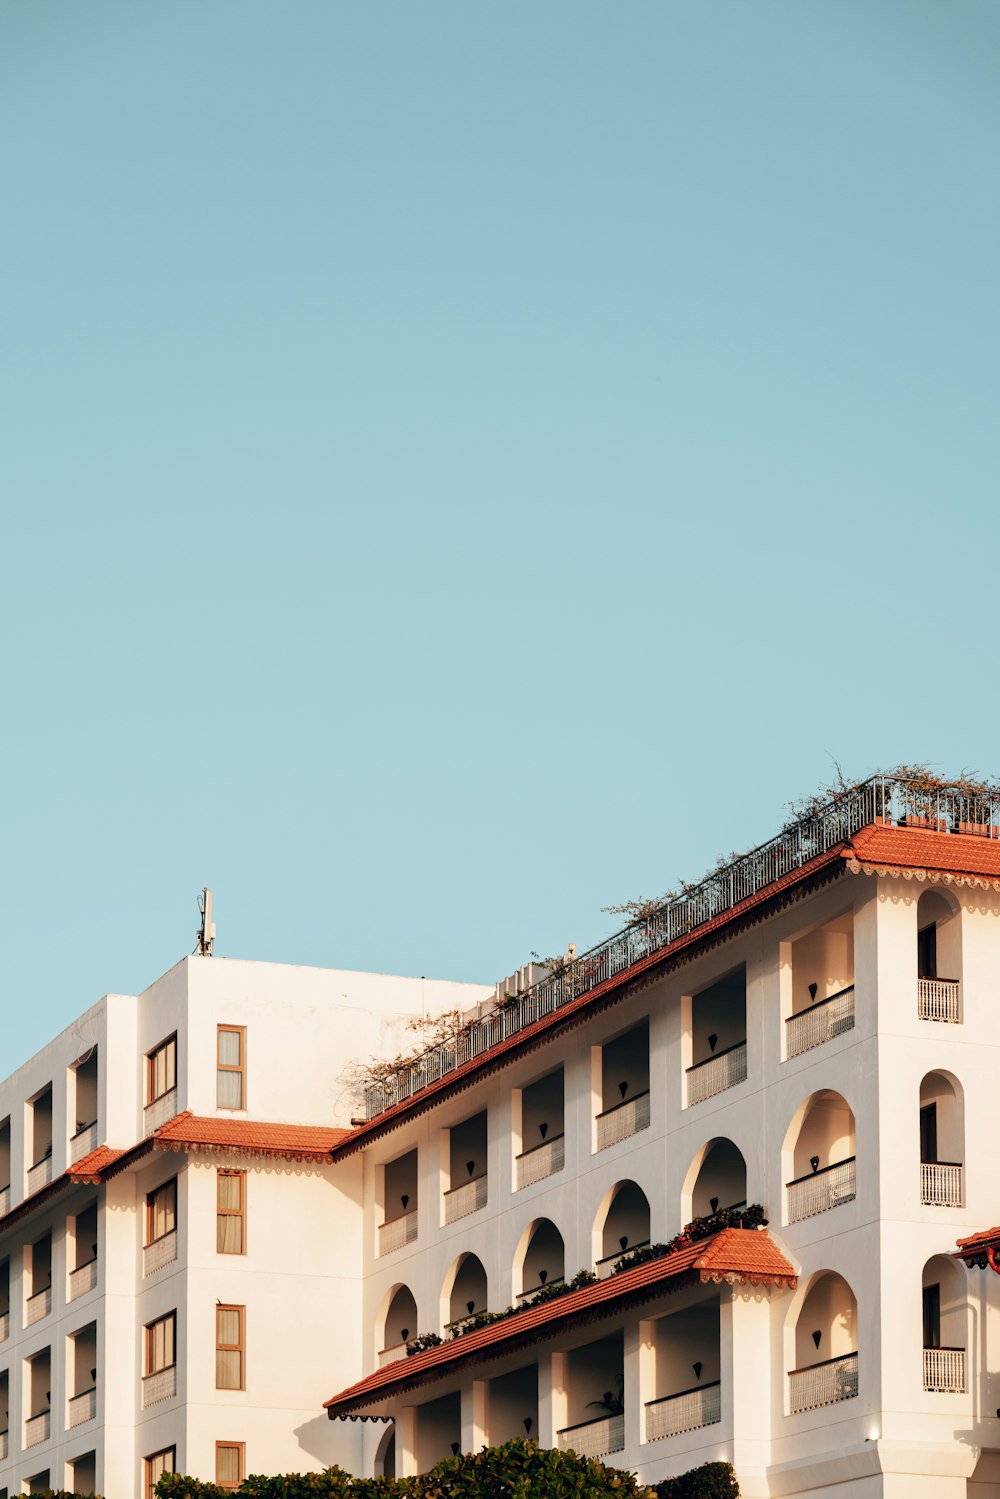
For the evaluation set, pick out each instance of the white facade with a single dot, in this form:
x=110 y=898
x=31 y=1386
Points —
x=823 y=1390
x=82 y=1410
x=827 y=1051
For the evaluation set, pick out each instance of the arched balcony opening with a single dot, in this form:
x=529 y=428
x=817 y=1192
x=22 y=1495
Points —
x=622 y=1224
x=467 y=1294
x=385 y=1456
x=945 y=1318
x=942 y=1141
x=825 y=1345
x=939 y=957
x=819 y=1153
x=543 y=1262
x=720 y=1181
x=821 y=965
x=398 y=1323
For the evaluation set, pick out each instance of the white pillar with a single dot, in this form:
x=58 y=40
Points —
x=474 y=1412
x=406 y=1442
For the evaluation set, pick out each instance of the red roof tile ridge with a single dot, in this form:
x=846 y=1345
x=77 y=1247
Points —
x=740 y=1259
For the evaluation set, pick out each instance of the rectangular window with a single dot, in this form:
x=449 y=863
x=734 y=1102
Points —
x=231 y=1189
x=231 y=1087
x=161 y=1351
x=156 y=1465
x=229 y=1464
x=161 y=1211
x=161 y=1070
x=229 y=1329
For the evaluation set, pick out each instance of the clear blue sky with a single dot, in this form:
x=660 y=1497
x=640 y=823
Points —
x=468 y=464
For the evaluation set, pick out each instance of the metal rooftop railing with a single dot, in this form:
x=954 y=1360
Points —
x=891 y=798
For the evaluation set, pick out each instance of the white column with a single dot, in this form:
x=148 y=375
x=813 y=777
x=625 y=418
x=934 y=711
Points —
x=474 y=1413
x=406 y=1442
x=552 y=1403
x=746 y=1389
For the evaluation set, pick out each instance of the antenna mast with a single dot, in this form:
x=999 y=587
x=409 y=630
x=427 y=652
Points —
x=206 y=932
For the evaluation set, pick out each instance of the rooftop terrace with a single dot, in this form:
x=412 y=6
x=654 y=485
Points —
x=889 y=799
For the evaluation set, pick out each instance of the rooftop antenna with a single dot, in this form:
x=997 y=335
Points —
x=206 y=932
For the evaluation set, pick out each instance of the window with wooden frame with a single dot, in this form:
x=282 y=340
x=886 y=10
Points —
x=230 y=1327
x=229 y=1464
x=231 y=1092
x=230 y=1216
x=161 y=1344
x=155 y=1466
x=161 y=1069
x=161 y=1211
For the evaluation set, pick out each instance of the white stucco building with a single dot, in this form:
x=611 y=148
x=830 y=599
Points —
x=200 y=1250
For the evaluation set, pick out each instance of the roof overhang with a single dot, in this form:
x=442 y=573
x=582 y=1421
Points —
x=735 y=1256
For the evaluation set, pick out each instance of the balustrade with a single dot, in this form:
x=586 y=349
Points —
x=686 y=1411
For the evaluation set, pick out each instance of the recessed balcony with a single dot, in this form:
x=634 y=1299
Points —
x=825 y=1188
x=541 y=1161
x=825 y=1383
x=718 y=1073
x=37 y=1428
x=83 y=1278
x=622 y=1120
x=822 y=1022
x=83 y=1142
x=459 y=1202
x=82 y=1407
x=594 y=1438
x=38 y=1306
x=938 y=999
x=944 y=1370
x=942 y=1184
x=397 y=1232
x=159 y=1386
x=688 y=1410
x=162 y=1251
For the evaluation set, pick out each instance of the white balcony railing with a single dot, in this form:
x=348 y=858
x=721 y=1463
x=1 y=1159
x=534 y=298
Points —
x=4 y=1327
x=83 y=1279
x=397 y=1232
x=541 y=1161
x=823 y=1022
x=162 y=1251
x=391 y=1355
x=594 y=1438
x=83 y=1142
x=937 y=999
x=82 y=1407
x=941 y=1184
x=4 y=1200
x=716 y=1074
x=38 y=1306
x=823 y=1384
x=4 y=1445
x=459 y=1202
x=605 y=1267
x=159 y=1386
x=557 y=1280
x=159 y=1111
x=623 y=1120
x=944 y=1370
x=686 y=1411
x=37 y=1428
x=39 y=1175
x=825 y=1189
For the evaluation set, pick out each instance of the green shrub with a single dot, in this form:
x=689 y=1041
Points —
x=517 y=1470
x=711 y=1481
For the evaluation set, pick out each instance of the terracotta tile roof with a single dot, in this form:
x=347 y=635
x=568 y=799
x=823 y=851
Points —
x=976 y=1245
x=876 y=848
x=298 y=1142
x=90 y=1167
x=736 y=1255
x=920 y=848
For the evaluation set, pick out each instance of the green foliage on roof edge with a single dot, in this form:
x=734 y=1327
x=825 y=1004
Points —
x=517 y=1470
